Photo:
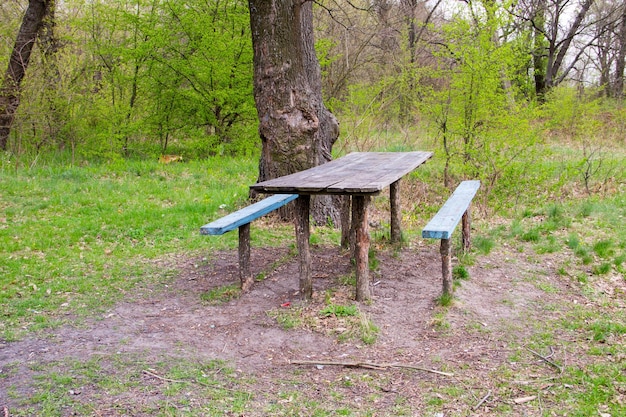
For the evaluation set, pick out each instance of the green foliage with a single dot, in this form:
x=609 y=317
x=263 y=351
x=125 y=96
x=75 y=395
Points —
x=368 y=331
x=141 y=79
x=603 y=330
x=444 y=300
x=288 y=319
x=574 y=118
x=603 y=248
x=459 y=272
x=220 y=295
x=602 y=269
x=483 y=244
x=573 y=242
x=482 y=131
x=339 y=310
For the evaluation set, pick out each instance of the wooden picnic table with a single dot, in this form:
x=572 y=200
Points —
x=359 y=176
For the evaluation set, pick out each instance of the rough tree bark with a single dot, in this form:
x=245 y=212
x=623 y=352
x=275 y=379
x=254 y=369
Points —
x=555 y=61
x=18 y=63
x=618 y=87
x=296 y=129
x=551 y=46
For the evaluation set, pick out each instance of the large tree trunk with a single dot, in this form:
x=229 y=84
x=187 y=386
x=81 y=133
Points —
x=296 y=129
x=10 y=90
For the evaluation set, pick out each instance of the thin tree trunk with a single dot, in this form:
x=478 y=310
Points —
x=618 y=89
x=539 y=52
x=555 y=68
x=50 y=45
x=18 y=63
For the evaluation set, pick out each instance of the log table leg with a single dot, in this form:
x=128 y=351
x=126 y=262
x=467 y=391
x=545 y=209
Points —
x=245 y=276
x=346 y=207
x=362 y=245
x=396 y=214
x=303 y=203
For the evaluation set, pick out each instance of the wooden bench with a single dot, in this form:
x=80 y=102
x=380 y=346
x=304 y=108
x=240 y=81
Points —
x=241 y=219
x=442 y=225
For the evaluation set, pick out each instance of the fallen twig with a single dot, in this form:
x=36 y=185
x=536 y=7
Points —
x=523 y=400
x=370 y=365
x=152 y=374
x=179 y=381
x=6 y=411
x=545 y=359
x=477 y=406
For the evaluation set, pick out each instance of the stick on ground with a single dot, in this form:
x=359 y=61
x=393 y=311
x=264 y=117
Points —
x=371 y=365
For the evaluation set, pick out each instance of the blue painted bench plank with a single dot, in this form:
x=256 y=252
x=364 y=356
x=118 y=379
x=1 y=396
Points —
x=447 y=218
x=246 y=214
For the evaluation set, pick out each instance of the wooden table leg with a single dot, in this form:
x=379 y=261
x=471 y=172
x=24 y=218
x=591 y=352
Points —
x=396 y=212
x=354 y=219
x=346 y=208
x=303 y=203
x=360 y=205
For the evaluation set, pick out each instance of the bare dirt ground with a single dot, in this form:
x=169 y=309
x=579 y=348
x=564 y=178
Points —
x=496 y=312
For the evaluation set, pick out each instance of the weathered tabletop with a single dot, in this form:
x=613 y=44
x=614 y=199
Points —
x=358 y=175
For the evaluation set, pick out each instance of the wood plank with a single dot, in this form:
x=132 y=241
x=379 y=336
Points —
x=377 y=170
x=246 y=214
x=316 y=177
x=442 y=225
x=356 y=173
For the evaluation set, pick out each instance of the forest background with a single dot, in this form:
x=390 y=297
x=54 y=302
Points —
x=487 y=82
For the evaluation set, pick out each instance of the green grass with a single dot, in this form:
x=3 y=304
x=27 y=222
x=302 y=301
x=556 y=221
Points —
x=168 y=387
x=72 y=239
x=484 y=245
x=459 y=273
x=220 y=295
x=339 y=310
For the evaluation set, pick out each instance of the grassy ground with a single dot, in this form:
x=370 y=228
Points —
x=73 y=239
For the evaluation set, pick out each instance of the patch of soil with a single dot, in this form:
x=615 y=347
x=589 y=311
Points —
x=498 y=305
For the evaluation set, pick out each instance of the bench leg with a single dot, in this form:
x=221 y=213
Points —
x=245 y=276
x=446 y=266
x=362 y=245
x=303 y=203
x=396 y=212
x=466 y=241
